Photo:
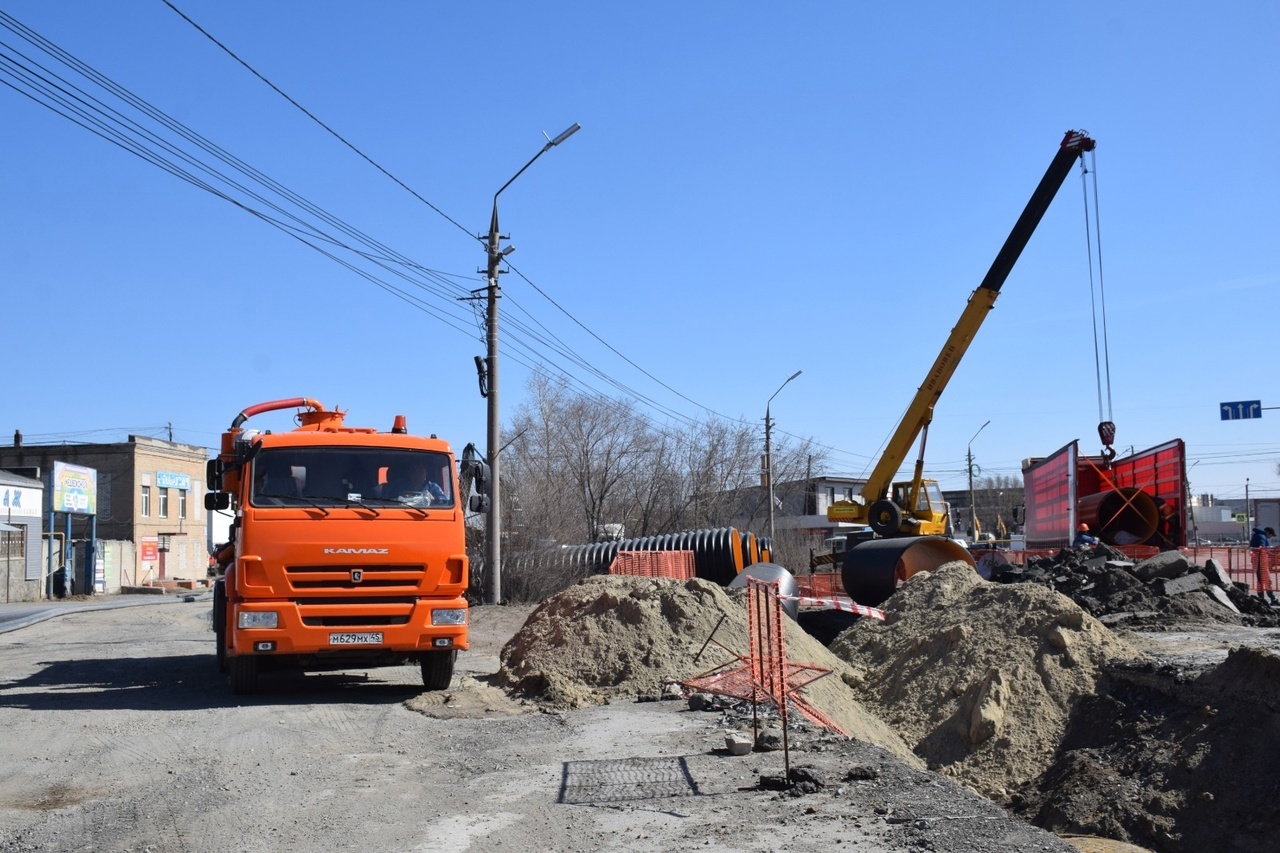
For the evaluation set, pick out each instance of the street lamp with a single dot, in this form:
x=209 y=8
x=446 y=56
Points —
x=768 y=450
x=493 y=534
x=973 y=510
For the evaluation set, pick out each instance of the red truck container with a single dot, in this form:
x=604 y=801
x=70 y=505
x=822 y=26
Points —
x=1136 y=500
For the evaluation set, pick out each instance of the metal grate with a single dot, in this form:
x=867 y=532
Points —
x=625 y=779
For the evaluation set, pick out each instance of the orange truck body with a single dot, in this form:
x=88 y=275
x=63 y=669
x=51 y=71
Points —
x=333 y=564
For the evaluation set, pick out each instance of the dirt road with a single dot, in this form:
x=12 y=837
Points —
x=117 y=734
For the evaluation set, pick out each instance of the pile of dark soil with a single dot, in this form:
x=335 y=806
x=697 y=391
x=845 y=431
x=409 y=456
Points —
x=1165 y=590
x=1190 y=767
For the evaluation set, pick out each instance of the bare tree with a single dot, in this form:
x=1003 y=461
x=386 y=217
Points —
x=582 y=468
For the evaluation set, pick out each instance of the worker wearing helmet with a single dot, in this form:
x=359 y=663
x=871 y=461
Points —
x=1084 y=539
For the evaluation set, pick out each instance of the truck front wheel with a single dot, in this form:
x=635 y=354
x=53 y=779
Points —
x=437 y=669
x=244 y=674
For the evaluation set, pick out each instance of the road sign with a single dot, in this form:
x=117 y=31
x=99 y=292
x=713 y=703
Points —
x=1240 y=410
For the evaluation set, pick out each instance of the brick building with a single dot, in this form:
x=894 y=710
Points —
x=148 y=491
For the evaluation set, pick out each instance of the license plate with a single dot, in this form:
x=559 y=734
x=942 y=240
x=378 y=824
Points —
x=373 y=638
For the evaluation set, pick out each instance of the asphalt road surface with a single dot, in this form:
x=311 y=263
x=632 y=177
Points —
x=118 y=734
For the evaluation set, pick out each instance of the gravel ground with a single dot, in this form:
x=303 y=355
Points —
x=119 y=735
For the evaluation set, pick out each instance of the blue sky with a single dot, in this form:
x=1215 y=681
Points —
x=755 y=190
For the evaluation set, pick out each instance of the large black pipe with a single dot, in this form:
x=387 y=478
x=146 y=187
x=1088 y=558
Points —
x=873 y=570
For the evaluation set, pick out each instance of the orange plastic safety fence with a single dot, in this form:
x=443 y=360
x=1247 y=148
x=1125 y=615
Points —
x=679 y=565
x=820 y=585
x=765 y=674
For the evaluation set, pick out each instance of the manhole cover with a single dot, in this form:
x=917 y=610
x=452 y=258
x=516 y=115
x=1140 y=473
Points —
x=626 y=779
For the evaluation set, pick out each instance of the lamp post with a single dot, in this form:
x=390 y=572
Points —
x=768 y=448
x=493 y=526
x=973 y=510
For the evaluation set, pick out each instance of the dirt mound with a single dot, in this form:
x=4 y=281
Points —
x=617 y=637
x=466 y=699
x=980 y=678
x=1173 y=766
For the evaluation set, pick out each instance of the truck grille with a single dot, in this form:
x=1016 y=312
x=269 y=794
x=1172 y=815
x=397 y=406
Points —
x=377 y=612
x=354 y=621
x=380 y=578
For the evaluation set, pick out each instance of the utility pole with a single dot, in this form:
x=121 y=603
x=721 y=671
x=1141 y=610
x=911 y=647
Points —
x=493 y=526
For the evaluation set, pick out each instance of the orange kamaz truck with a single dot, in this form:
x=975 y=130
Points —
x=347 y=549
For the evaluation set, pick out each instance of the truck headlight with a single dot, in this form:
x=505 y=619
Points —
x=259 y=619
x=449 y=617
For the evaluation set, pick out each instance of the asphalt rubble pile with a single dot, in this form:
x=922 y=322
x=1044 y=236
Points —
x=1016 y=691
x=1167 y=590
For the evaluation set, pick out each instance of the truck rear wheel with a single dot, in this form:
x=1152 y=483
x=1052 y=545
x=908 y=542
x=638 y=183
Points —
x=244 y=674
x=437 y=669
x=885 y=517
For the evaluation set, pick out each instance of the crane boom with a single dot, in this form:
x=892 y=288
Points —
x=920 y=412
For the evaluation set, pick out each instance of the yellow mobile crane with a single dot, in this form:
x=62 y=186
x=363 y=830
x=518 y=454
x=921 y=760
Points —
x=915 y=508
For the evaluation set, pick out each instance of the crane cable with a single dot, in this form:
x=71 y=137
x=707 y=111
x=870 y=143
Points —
x=1098 y=306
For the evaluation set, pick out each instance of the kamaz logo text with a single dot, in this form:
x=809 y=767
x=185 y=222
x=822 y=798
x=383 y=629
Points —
x=357 y=550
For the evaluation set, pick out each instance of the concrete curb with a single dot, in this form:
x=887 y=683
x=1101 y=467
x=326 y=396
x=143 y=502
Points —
x=51 y=610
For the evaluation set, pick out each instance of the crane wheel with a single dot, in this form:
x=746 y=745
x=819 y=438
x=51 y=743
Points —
x=885 y=518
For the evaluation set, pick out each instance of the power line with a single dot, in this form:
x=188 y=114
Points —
x=291 y=213
x=312 y=116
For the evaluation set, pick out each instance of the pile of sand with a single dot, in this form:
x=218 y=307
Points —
x=618 y=637
x=979 y=678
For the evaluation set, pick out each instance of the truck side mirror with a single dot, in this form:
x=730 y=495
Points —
x=216 y=500
x=478 y=504
x=213 y=474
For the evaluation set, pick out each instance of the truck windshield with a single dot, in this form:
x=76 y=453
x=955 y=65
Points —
x=340 y=476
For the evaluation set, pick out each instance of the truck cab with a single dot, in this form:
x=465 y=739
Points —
x=348 y=550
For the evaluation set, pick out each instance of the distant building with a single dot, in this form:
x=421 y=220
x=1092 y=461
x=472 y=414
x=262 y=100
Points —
x=21 y=499
x=801 y=509
x=149 y=491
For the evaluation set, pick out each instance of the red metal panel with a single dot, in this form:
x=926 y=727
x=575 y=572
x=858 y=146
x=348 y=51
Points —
x=1050 y=499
